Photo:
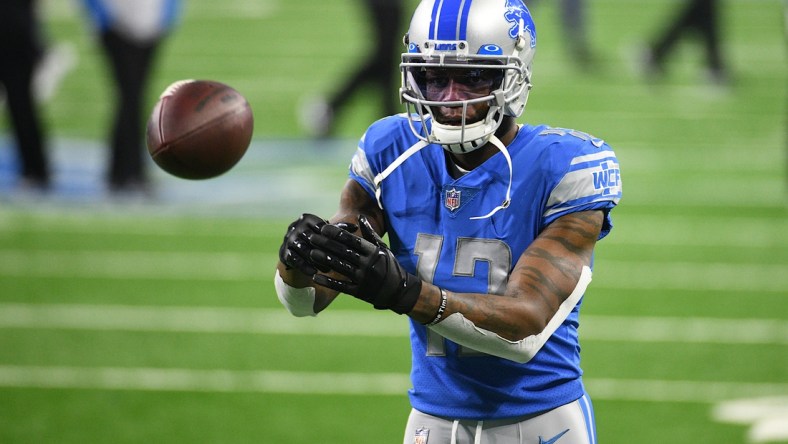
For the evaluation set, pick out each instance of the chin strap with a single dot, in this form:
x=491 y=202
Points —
x=508 y=200
x=394 y=165
x=421 y=144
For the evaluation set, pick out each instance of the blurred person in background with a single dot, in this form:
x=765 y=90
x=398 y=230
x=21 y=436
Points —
x=21 y=50
x=698 y=18
x=130 y=32
x=377 y=70
x=574 y=19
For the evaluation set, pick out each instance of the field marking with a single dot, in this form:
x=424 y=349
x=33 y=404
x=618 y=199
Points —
x=721 y=277
x=766 y=416
x=684 y=330
x=365 y=323
x=105 y=224
x=147 y=265
x=171 y=379
x=223 y=266
x=200 y=320
x=674 y=230
x=679 y=391
x=320 y=383
x=733 y=231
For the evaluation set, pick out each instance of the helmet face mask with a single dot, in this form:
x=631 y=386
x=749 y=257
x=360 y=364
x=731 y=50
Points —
x=484 y=46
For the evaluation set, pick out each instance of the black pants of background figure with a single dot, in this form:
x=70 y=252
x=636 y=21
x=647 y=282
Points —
x=380 y=68
x=574 y=19
x=20 y=50
x=130 y=63
x=701 y=17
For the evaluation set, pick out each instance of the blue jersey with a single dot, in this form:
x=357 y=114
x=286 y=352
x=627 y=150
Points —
x=428 y=216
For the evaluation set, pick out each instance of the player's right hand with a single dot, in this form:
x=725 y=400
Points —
x=294 y=252
x=367 y=268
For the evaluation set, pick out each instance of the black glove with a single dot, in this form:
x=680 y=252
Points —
x=373 y=273
x=294 y=252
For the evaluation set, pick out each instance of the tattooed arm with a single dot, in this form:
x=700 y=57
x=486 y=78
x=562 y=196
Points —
x=544 y=276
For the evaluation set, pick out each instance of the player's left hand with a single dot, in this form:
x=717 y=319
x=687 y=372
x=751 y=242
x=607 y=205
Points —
x=373 y=273
x=294 y=251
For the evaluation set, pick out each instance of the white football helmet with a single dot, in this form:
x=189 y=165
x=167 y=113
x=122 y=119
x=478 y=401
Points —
x=475 y=35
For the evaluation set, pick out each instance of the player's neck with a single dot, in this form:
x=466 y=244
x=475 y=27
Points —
x=468 y=161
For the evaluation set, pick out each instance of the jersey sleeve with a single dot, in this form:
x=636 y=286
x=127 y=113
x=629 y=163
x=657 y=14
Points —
x=590 y=181
x=361 y=171
x=374 y=149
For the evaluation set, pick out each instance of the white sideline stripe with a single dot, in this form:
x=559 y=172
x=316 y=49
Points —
x=221 y=266
x=365 y=323
x=319 y=383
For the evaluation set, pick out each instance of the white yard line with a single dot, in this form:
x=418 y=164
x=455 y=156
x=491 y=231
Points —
x=365 y=323
x=679 y=391
x=673 y=230
x=223 y=266
x=145 y=265
x=641 y=275
x=200 y=320
x=169 y=379
x=319 y=383
x=741 y=232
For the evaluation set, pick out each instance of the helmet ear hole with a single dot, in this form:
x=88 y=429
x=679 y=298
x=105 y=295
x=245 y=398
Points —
x=520 y=44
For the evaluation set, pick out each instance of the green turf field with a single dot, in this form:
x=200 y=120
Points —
x=128 y=322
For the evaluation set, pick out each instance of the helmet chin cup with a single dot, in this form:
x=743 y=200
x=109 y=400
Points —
x=463 y=138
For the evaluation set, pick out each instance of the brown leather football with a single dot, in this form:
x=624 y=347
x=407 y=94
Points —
x=199 y=129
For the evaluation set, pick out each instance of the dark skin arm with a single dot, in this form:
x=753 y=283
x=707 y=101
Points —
x=543 y=277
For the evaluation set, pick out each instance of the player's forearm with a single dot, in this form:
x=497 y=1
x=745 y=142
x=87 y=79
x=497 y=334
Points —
x=499 y=325
x=298 y=280
x=293 y=277
x=507 y=317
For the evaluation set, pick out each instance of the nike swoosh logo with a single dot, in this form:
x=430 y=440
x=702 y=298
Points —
x=553 y=439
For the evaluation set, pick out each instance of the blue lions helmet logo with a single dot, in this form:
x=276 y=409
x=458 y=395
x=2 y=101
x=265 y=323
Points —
x=517 y=14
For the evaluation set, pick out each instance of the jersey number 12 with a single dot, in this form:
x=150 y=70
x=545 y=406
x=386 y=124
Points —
x=469 y=252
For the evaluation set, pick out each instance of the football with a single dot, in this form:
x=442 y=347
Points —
x=199 y=129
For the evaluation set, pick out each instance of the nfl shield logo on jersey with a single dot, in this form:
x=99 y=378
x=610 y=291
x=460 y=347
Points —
x=452 y=200
x=455 y=198
x=421 y=436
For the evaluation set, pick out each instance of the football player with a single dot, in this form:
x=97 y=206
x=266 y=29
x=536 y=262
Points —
x=491 y=227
